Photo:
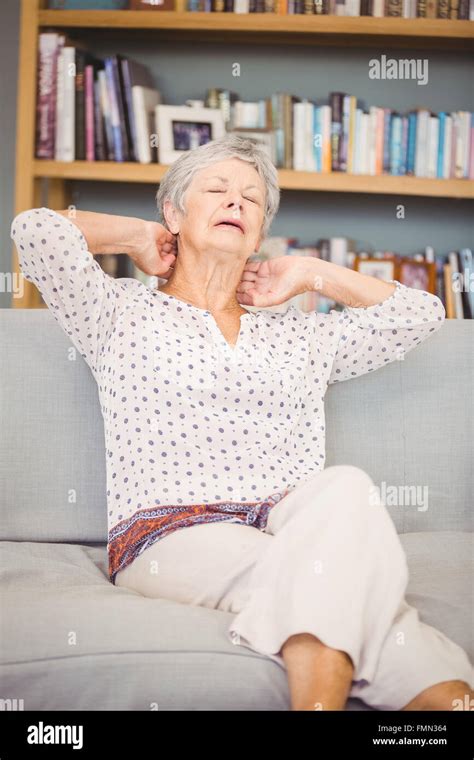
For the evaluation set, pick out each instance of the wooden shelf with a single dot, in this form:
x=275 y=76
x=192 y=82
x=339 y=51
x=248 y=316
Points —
x=336 y=182
x=247 y=29
x=361 y=31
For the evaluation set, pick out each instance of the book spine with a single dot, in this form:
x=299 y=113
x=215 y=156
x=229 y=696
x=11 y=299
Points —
x=318 y=139
x=114 y=112
x=99 y=146
x=471 y=149
x=421 y=142
x=432 y=153
x=448 y=147
x=379 y=141
x=372 y=139
x=80 y=138
x=466 y=140
x=412 y=119
x=326 y=139
x=45 y=104
x=59 y=130
x=441 y=140
x=387 y=130
x=454 y=9
x=396 y=144
x=298 y=147
x=404 y=150
x=344 y=141
x=351 y=139
x=335 y=99
x=105 y=108
x=121 y=107
x=458 y=164
x=127 y=86
x=69 y=119
x=393 y=8
x=89 y=108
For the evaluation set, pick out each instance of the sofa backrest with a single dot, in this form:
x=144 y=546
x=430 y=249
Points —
x=407 y=424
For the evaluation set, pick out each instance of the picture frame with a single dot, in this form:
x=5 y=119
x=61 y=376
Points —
x=417 y=274
x=384 y=269
x=264 y=136
x=182 y=128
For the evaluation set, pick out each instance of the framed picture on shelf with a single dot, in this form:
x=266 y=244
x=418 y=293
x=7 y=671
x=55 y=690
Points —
x=261 y=135
x=418 y=274
x=182 y=128
x=383 y=269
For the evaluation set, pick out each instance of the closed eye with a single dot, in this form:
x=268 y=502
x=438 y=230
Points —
x=247 y=198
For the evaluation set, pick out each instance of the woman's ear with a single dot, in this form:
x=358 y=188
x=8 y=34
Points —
x=171 y=216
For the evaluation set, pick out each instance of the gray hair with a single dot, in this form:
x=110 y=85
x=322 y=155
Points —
x=177 y=179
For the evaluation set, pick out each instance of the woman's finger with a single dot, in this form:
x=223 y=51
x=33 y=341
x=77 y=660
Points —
x=248 y=276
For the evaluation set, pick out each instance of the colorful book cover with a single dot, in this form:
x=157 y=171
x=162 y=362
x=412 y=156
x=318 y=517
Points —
x=317 y=139
x=441 y=138
x=49 y=48
x=411 y=142
x=89 y=106
x=336 y=103
x=387 y=122
x=344 y=138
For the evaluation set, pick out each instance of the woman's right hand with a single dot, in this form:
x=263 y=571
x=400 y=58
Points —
x=156 y=250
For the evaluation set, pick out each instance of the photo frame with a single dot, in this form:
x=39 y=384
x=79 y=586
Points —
x=383 y=269
x=418 y=274
x=182 y=128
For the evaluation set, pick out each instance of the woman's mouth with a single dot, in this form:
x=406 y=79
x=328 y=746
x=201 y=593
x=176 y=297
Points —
x=231 y=226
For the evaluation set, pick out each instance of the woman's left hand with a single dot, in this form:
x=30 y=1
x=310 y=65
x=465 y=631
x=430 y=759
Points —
x=271 y=282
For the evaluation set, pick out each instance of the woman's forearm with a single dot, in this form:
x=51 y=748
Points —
x=108 y=233
x=345 y=285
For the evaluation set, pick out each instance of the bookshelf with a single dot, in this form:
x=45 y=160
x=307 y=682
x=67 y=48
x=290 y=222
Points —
x=289 y=179
x=30 y=187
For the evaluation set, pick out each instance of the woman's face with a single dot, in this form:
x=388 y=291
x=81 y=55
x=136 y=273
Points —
x=232 y=190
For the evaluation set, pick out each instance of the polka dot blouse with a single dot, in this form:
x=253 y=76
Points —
x=196 y=430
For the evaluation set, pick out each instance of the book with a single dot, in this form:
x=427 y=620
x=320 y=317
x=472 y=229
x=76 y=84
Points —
x=144 y=102
x=65 y=106
x=49 y=49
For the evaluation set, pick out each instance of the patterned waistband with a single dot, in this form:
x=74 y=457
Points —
x=131 y=537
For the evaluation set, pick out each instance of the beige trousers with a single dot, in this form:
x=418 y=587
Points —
x=329 y=562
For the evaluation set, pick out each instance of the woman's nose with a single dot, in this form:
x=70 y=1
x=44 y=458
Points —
x=235 y=205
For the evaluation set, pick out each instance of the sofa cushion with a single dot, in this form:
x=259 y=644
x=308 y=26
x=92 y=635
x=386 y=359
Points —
x=71 y=640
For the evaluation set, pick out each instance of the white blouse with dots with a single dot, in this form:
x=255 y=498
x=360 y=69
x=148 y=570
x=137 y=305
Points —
x=196 y=430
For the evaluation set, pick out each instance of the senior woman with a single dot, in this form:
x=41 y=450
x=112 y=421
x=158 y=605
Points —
x=214 y=423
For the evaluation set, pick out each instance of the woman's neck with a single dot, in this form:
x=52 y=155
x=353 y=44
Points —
x=228 y=309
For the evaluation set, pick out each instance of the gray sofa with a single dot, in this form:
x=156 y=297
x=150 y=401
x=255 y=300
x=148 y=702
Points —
x=70 y=640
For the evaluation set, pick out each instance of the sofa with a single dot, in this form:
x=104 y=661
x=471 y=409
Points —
x=73 y=641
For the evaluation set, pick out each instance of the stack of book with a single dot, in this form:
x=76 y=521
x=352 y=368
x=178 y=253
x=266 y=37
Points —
x=343 y=135
x=447 y=9
x=92 y=109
